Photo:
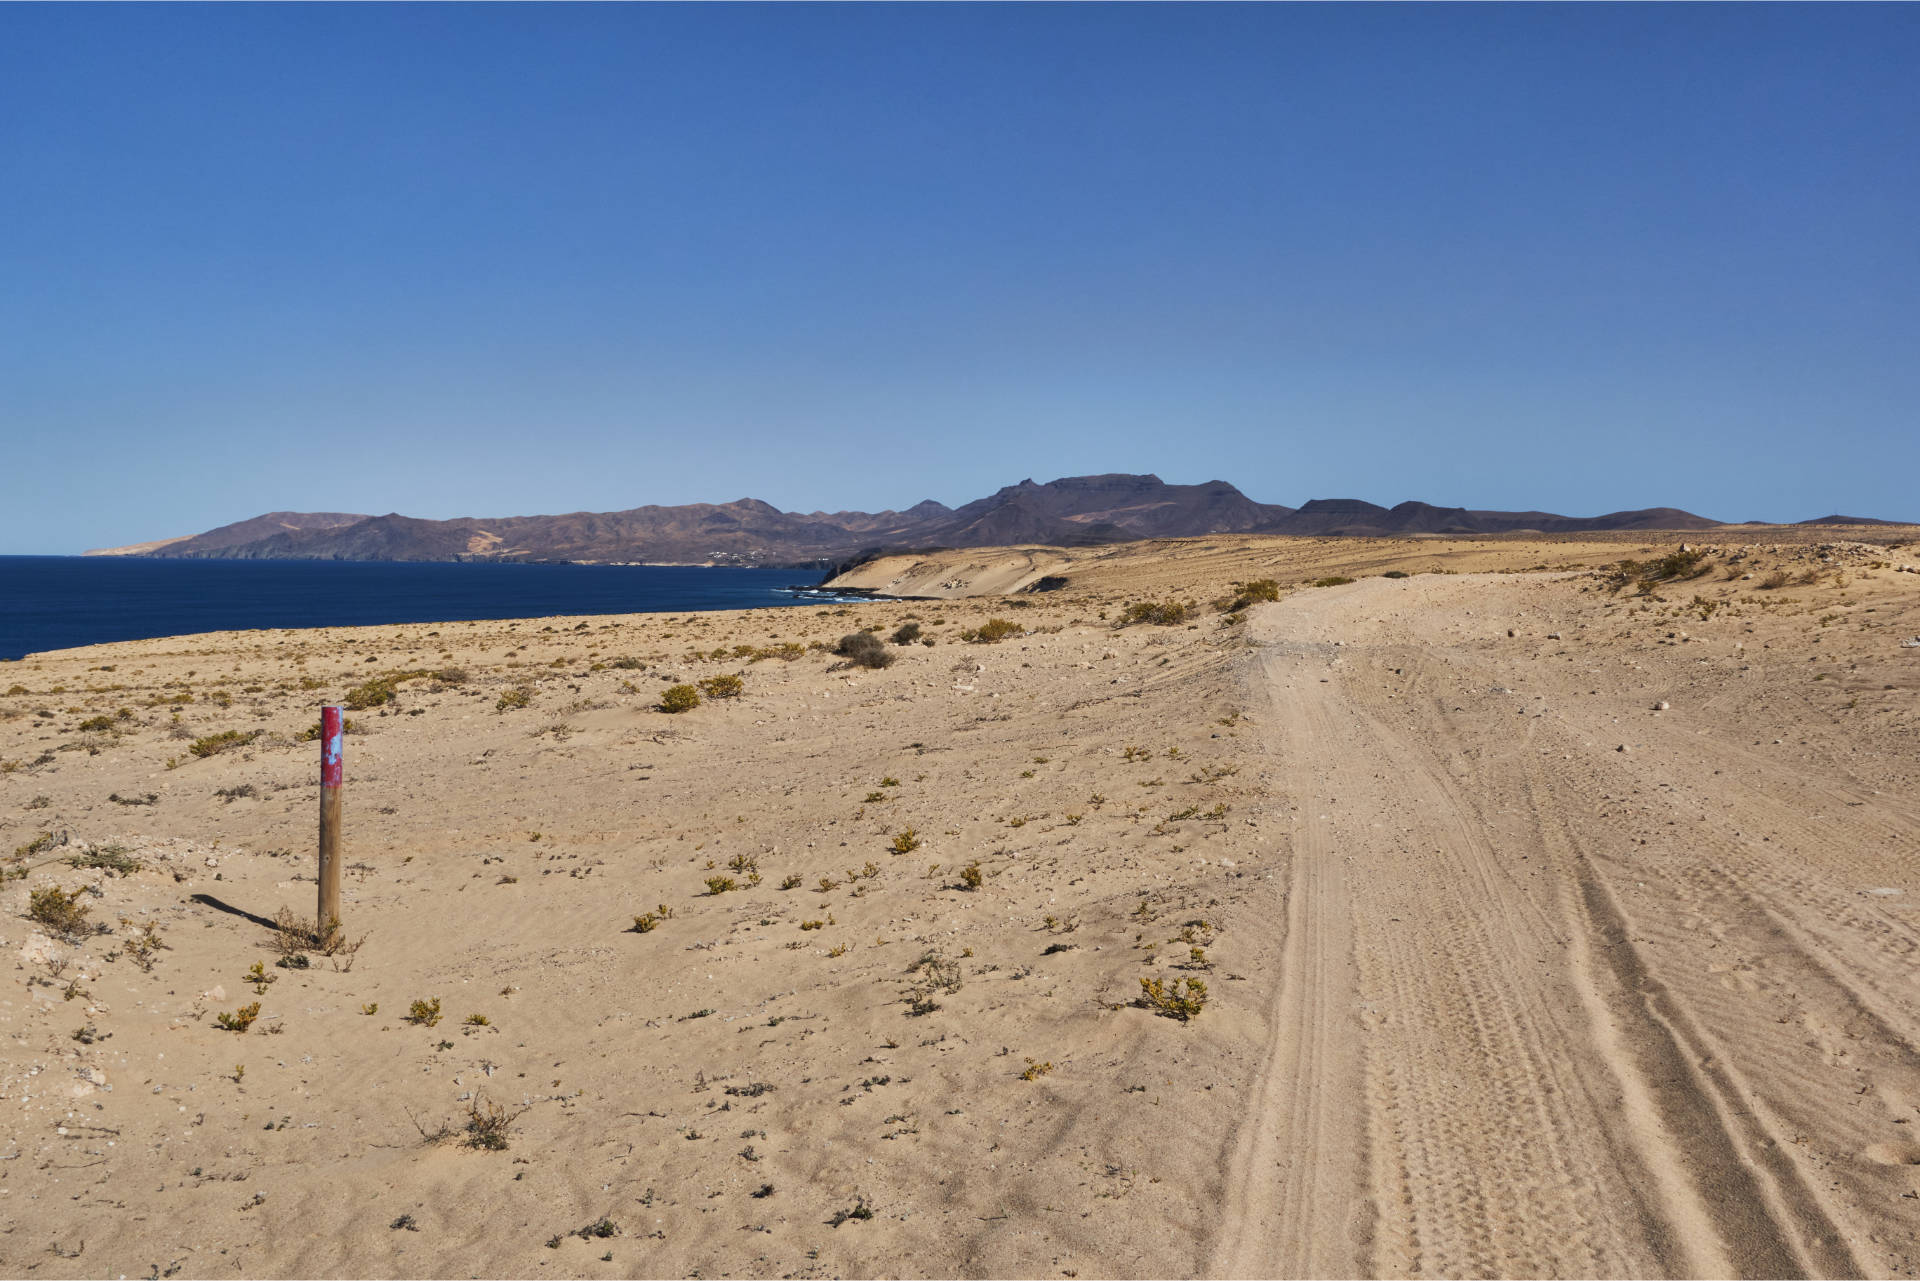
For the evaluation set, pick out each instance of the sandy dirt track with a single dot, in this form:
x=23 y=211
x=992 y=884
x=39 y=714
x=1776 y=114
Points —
x=1511 y=969
x=1553 y=1008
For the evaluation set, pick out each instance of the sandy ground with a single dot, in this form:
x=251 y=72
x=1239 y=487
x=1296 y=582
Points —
x=1185 y=567
x=1546 y=929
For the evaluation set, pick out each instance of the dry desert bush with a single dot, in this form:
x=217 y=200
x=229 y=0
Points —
x=992 y=632
x=864 y=649
x=1164 y=613
x=60 y=912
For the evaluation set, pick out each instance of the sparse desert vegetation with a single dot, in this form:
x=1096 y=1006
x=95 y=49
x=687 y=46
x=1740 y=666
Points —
x=666 y=975
x=224 y=741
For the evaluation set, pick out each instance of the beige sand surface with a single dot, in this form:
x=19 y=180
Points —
x=138 y=549
x=1486 y=993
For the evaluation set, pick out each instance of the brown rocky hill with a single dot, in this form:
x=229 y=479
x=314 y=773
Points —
x=241 y=533
x=1353 y=517
x=1074 y=511
x=1852 y=520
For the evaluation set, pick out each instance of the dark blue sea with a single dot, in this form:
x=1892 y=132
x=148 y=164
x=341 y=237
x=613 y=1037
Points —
x=55 y=602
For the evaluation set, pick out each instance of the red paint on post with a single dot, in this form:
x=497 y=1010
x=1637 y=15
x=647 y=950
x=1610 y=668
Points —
x=332 y=743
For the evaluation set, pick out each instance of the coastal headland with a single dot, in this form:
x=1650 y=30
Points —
x=1234 y=905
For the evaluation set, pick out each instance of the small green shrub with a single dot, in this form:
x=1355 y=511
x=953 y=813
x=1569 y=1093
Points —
x=424 y=1013
x=906 y=841
x=722 y=686
x=1170 y=1000
x=992 y=632
x=224 y=741
x=60 y=911
x=259 y=977
x=374 y=693
x=111 y=858
x=1395 y=573
x=971 y=877
x=1332 y=580
x=906 y=634
x=241 y=1019
x=1260 y=589
x=720 y=884
x=1164 y=613
x=518 y=696
x=680 y=698
x=861 y=1210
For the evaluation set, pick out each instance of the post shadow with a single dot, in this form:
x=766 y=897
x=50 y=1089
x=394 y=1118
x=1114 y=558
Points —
x=208 y=900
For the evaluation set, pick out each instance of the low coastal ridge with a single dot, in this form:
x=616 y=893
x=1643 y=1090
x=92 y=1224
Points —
x=1074 y=511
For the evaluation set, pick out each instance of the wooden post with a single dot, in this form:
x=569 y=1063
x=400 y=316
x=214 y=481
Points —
x=332 y=741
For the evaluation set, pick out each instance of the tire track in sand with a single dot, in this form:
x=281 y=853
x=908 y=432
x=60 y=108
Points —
x=1297 y=1204
x=1457 y=1082
x=1413 y=1116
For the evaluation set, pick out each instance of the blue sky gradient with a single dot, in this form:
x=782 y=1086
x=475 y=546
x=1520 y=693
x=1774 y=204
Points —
x=495 y=260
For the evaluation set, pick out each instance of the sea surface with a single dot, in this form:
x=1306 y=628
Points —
x=56 y=602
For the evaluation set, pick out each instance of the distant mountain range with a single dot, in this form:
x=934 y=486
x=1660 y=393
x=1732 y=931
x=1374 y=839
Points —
x=1074 y=511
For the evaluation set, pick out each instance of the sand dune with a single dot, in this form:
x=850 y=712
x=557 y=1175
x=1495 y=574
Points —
x=1507 y=972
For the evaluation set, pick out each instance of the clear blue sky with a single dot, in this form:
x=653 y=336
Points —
x=497 y=260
